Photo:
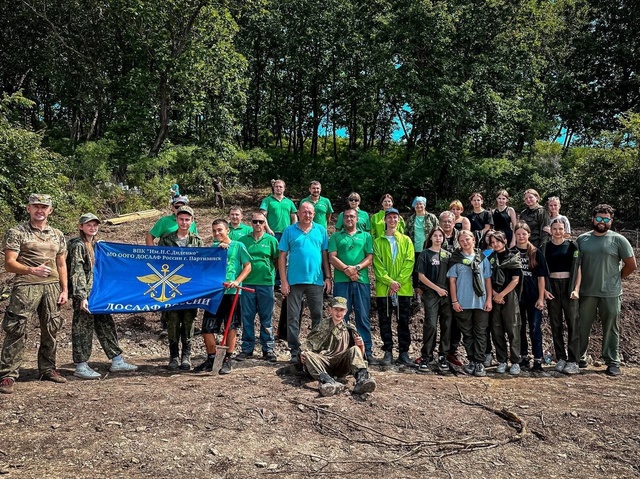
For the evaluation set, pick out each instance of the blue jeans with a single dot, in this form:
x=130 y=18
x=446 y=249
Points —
x=359 y=301
x=261 y=303
x=532 y=317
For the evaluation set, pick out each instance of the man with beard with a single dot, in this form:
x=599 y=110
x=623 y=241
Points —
x=321 y=205
x=602 y=252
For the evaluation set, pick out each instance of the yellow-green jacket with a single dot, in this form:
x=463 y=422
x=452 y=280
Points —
x=387 y=270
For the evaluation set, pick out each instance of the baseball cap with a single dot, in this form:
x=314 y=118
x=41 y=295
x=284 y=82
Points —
x=85 y=218
x=38 y=199
x=391 y=211
x=339 y=302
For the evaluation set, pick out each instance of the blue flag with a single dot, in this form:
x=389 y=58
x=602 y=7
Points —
x=132 y=278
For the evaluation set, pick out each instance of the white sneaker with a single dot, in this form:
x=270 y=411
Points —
x=571 y=368
x=121 y=366
x=560 y=365
x=502 y=368
x=514 y=370
x=83 y=371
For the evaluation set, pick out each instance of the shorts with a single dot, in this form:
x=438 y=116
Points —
x=215 y=323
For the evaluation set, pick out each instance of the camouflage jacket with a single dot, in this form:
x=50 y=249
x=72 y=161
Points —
x=171 y=239
x=325 y=336
x=79 y=269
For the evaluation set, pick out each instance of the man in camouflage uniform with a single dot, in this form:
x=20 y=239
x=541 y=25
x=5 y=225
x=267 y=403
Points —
x=334 y=348
x=35 y=252
x=180 y=323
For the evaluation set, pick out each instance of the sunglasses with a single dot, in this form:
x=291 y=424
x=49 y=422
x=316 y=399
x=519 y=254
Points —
x=354 y=199
x=600 y=219
x=257 y=222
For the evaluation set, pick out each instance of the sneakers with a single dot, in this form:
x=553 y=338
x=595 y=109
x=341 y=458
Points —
x=537 y=366
x=453 y=359
x=443 y=364
x=6 y=386
x=83 y=371
x=571 y=368
x=371 y=360
x=613 y=370
x=470 y=368
x=243 y=356
x=525 y=364
x=174 y=364
x=364 y=382
x=269 y=356
x=487 y=360
x=560 y=365
x=502 y=368
x=479 y=370
x=163 y=334
x=387 y=359
x=206 y=366
x=514 y=370
x=582 y=364
x=226 y=366
x=121 y=366
x=424 y=367
x=185 y=364
x=53 y=376
x=404 y=360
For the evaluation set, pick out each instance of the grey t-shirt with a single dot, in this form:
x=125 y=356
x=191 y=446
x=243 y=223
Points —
x=464 y=283
x=600 y=258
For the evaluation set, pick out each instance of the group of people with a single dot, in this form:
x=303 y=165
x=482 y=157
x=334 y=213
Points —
x=482 y=279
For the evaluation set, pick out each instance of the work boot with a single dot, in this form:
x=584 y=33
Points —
x=372 y=361
x=328 y=386
x=185 y=361
x=364 y=382
x=174 y=363
x=387 y=359
x=404 y=360
x=206 y=366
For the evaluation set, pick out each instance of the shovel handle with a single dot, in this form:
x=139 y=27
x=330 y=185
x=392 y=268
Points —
x=233 y=310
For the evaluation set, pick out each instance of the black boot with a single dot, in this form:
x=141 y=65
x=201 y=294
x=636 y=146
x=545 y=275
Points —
x=364 y=382
x=207 y=366
x=185 y=363
x=173 y=356
x=328 y=385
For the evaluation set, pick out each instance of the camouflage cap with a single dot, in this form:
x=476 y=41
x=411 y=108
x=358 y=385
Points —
x=180 y=199
x=339 y=302
x=85 y=218
x=185 y=209
x=37 y=199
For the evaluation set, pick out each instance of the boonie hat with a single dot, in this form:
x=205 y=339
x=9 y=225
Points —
x=180 y=199
x=185 y=209
x=391 y=211
x=339 y=302
x=85 y=218
x=37 y=199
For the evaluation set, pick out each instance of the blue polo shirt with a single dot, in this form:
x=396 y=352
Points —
x=305 y=253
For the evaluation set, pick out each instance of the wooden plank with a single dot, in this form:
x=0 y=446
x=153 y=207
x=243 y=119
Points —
x=138 y=215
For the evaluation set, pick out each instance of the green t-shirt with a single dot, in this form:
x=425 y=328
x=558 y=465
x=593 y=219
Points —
x=600 y=258
x=278 y=212
x=169 y=224
x=322 y=208
x=237 y=256
x=264 y=256
x=364 y=224
x=242 y=230
x=351 y=250
x=419 y=234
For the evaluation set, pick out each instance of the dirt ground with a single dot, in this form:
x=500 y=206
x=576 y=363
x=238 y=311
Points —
x=263 y=420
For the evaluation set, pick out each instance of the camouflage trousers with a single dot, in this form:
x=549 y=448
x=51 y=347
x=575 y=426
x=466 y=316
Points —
x=82 y=328
x=347 y=362
x=180 y=330
x=25 y=301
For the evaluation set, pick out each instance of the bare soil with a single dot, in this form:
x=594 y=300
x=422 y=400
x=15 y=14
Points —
x=265 y=420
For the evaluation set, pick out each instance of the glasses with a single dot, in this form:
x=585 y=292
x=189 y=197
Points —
x=600 y=219
x=354 y=199
x=257 y=222
x=350 y=216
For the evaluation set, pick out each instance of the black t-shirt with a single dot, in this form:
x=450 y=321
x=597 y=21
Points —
x=480 y=220
x=429 y=265
x=530 y=275
x=502 y=222
x=560 y=257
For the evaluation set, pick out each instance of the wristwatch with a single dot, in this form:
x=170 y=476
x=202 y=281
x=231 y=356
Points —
x=358 y=267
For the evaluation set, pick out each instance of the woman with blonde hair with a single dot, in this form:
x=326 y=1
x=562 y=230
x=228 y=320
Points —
x=461 y=223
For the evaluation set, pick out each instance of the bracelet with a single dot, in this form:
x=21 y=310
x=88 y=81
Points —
x=454 y=302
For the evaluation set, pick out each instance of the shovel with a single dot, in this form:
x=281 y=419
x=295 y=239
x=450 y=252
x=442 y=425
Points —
x=221 y=349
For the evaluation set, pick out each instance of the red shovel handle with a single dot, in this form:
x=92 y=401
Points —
x=233 y=310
